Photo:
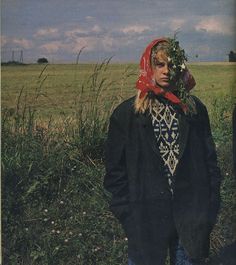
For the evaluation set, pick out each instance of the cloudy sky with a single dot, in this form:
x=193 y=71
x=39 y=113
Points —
x=58 y=29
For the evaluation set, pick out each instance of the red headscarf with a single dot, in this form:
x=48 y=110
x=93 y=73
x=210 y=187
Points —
x=145 y=82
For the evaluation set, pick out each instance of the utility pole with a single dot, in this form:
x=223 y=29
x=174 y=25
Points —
x=21 y=56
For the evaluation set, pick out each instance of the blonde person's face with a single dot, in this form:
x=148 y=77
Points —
x=161 y=70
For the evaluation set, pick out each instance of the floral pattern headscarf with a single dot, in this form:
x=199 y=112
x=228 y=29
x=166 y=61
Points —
x=145 y=81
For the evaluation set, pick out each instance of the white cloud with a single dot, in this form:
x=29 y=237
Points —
x=108 y=43
x=22 y=43
x=16 y=43
x=96 y=29
x=51 y=47
x=89 y=43
x=75 y=32
x=3 y=40
x=46 y=32
x=216 y=24
x=135 y=29
x=177 y=23
x=89 y=18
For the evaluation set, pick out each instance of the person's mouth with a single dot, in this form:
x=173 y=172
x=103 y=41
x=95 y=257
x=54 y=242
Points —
x=165 y=79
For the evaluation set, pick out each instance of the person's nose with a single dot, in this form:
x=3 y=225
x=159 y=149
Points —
x=166 y=70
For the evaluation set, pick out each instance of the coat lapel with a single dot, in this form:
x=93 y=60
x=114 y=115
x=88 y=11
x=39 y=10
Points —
x=183 y=133
x=147 y=129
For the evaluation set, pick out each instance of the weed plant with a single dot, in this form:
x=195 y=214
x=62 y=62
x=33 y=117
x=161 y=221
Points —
x=55 y=209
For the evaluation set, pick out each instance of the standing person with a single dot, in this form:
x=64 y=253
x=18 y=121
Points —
x=161 y=165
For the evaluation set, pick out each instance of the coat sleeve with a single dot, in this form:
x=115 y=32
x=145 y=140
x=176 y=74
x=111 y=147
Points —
x=115 y=180
x=213 y=169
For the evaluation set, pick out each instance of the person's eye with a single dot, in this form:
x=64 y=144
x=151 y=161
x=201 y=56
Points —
x=159 y=64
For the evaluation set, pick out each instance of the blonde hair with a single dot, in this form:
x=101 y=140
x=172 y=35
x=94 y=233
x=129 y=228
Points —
x=141 y=105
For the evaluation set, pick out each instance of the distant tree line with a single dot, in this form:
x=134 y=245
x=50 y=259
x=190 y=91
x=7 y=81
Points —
x=232 y=56
x=42 y=60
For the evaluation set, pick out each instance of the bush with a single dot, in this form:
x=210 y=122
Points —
x=42 y=60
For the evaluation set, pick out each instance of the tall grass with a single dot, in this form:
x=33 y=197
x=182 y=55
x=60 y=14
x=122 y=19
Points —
x=52 y=179
x=54 y=207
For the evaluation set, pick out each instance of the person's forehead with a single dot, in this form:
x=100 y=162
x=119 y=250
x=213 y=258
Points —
x=161 y=57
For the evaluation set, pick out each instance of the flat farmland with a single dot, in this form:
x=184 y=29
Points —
x=56 y=89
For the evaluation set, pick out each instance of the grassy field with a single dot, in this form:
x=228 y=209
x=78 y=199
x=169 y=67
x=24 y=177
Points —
x=60 y=85
x=54 y=124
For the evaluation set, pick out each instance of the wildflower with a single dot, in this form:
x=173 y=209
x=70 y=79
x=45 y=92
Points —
x=53 y=231
x=168 y=59
x=70 y=233
x=57 y=248
x=26 y=229
x=80 y=234
x=183 y=66
x=174 y=66
x=66 y=240
x=61 y=202
x=227 y=174
x=126 y=239
x=58 y=232
x=52 y=222
x=64 y=190
x=45 y=219
x=45 y=210
x=96 y=249
x=84 y=213
x=78 y=256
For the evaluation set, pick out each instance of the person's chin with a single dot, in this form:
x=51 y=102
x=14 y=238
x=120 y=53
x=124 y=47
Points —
x=165 y=85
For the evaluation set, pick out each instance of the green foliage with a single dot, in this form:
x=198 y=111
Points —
x=42 y=60
x=55 y=210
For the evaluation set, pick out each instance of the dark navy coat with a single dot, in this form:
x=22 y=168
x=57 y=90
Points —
x=141 y=199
